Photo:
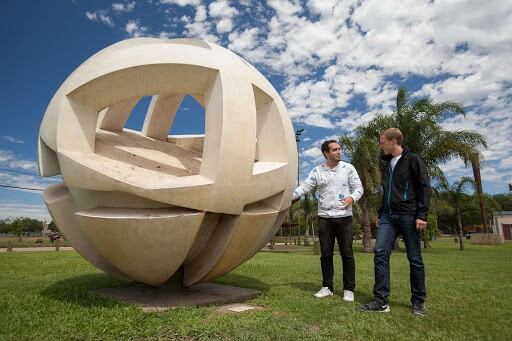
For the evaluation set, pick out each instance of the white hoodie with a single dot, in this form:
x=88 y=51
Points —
x=330 y=183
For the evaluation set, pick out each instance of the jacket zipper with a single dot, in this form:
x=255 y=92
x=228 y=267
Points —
x=391 y=170
x=406 y=189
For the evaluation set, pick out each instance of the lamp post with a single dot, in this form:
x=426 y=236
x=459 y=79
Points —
x=298 y=133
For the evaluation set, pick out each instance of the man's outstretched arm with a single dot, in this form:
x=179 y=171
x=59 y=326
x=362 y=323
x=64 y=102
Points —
x=307 y=186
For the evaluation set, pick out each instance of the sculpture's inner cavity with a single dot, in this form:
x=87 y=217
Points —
x=146 y=154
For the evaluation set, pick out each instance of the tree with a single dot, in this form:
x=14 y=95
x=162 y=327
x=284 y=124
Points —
x=309 y=208
x=421 y=123
x=4 y=226
x=52 y=227
x=504 y=201
x=363 y=154
x=457 y=191
x=19 y=226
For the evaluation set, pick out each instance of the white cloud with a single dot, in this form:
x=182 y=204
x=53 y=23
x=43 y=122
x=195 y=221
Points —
x=221 y=8
x=100 y=16
x=323 y=7
x=6 y=155
x=20 y=209
x=9 y=160
x=181 y=3
x=199 y=27
x=224 y=25
x=317 y=120
x=19 y=172
x=313 y=152
x=123 y=7
x=25 y=182
x=134 y=29
x=224 y=13
x=23 y=164
x=13 y=139
x=341 y=62
x=243 y=42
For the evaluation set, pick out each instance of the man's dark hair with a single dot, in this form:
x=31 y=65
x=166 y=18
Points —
x=325 y=146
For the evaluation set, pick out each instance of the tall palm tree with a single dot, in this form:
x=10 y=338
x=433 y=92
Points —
x=457 y=190
x=421 y=123
x=363 y=153
x=475 y=164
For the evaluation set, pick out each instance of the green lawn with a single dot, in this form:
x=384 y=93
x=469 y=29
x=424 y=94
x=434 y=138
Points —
x=45 y=295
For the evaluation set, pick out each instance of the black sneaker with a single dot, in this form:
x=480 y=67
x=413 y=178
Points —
x=419 y=309
x=375 y=305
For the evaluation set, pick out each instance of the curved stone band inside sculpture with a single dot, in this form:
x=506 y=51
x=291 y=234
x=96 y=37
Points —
x=143 y=204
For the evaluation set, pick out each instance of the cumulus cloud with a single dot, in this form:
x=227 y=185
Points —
x=181 y=3
x=11 y=161
x=11 y=210
x=100 y=16
x=340 y=63
x=135 y=29
x=224 y=13
x=12 y=139
x=123 y=7
x=199 y=27
x=21 y=173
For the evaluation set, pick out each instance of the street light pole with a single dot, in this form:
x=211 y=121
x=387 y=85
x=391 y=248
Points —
x=298 y=133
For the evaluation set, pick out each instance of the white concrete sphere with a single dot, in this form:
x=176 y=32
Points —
x=144 y=204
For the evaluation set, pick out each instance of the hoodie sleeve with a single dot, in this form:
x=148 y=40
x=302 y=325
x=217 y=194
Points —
x=422 y=188
x=307 y=186
x=356 y=187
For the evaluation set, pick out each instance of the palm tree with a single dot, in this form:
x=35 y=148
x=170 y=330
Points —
x=420 y=122
x=457 y=191
x=363 y=153
x=475 y=163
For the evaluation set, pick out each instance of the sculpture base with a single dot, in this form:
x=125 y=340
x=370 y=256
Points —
x=152 y=299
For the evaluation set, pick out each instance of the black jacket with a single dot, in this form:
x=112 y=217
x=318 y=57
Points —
x=406 y=188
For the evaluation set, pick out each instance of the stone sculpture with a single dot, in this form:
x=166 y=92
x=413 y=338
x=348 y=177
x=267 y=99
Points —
x=143 y=205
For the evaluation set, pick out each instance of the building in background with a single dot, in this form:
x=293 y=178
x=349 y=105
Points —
x=503 y=224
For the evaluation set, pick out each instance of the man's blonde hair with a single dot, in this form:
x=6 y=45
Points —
x=393 y=133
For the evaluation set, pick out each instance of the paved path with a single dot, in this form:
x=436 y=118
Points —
x=35 y=249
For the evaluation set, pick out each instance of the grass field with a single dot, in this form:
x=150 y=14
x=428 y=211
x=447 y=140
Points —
x=45 y=295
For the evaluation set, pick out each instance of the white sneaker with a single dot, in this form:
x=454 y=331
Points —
x=324 y=292
x=348 y=296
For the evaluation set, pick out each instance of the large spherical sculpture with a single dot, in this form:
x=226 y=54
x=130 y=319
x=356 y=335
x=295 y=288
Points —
x=143 y=204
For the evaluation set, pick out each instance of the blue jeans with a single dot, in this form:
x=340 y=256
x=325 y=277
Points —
x=389 y=227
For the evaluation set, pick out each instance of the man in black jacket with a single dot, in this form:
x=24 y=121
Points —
x=404 y=211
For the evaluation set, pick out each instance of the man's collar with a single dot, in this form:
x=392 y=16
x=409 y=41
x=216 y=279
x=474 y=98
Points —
x=340 y=164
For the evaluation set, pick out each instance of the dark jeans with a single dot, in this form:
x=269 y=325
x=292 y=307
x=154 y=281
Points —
x=341 y=229
x=389 y=227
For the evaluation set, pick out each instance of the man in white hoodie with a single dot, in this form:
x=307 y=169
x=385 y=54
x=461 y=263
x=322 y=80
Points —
x=338 y=186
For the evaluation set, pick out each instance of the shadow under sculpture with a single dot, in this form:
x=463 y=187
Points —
x=145 y=205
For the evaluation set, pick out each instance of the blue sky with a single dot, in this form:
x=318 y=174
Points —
x=336 y=64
